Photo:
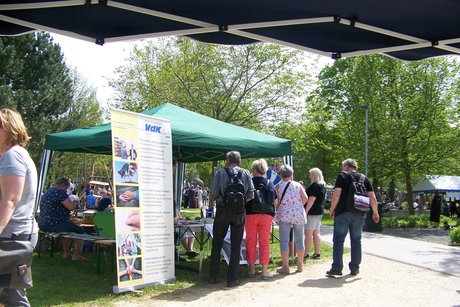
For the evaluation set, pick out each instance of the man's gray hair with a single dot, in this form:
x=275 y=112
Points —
x=286 y=171
x=233 y=157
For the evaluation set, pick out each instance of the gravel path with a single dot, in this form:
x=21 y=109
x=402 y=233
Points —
x=382 y=282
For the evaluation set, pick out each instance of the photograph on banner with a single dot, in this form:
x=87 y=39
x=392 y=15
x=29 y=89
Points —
x=128 y=220
x=129 y=245
x=130 y=269
x=126 y=172
x=125 y=148
x=127 y=196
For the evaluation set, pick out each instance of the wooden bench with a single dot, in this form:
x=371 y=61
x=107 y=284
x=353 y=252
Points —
x=99 y=242
x=102 y=245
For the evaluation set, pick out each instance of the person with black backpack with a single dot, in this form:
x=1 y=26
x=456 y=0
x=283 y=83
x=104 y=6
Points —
x=347 y=216
x=232 y=188
x=259 y=217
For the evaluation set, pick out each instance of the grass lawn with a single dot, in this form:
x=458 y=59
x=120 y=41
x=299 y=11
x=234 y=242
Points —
x=62 y=282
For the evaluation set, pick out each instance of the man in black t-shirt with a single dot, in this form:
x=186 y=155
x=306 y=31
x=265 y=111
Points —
x=104 y=202
x=345 y=221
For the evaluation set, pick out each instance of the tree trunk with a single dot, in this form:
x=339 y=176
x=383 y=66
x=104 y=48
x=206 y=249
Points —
x=391 y=190
x=409 y=197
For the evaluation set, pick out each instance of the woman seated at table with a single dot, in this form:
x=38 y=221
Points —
x=55 y=207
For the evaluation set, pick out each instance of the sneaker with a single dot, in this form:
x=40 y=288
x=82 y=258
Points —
x=306 y=256
x=354 y=273
x=267 y=277
x=333 y=272
x=232 y=284
x=316 y=256
x=211 y=281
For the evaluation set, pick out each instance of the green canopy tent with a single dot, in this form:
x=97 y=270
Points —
x=195 y=138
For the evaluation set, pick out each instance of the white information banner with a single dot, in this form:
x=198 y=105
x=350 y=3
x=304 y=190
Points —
x=143 y=199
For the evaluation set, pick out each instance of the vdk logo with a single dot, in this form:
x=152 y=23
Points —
x=153 y=128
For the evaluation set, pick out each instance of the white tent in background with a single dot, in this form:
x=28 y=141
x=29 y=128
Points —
x=450 y=185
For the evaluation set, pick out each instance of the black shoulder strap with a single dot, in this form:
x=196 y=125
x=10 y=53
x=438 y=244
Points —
x=360 y=176
x=284 y=191
x=353 y=176
x=232 y=175
x=229 y=173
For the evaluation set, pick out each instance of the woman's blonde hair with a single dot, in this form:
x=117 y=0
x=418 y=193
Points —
x=316 y=175
x=16 y=132
x=260 y=166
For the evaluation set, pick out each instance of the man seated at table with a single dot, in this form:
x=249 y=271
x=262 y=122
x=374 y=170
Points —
x=55 y=207
x=105 y=201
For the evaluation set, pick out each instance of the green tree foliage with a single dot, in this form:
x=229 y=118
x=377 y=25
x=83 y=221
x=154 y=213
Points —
x=253 y=86
x=242 y=85
x=413 y=115
x=35 y=81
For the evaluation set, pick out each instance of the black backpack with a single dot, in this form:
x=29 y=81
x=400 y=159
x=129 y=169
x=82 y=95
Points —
x=263 y=200
x=358 y=201
x=234 y=192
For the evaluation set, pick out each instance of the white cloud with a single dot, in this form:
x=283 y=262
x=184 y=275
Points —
x=94 y=62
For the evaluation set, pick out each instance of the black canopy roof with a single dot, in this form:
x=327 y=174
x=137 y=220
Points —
x=405 y=29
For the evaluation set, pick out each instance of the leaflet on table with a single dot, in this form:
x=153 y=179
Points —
x=143 y=189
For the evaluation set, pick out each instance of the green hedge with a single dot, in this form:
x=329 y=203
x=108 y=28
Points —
x=455 y=235
x=414 y=221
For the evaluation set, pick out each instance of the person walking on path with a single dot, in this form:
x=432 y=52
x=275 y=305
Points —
x=345 y=220
x=314 y=209
x=225 y=218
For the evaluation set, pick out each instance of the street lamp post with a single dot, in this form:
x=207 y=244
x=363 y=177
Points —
x=366 y=107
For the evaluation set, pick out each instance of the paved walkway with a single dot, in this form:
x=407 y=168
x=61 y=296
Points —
x=428 y=255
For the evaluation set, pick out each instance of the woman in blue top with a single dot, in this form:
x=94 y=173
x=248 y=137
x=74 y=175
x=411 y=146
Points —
x=18 y=181
x=55 y=207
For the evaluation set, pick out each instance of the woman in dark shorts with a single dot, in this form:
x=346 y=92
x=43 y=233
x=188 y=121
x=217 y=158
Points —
x=55 y=207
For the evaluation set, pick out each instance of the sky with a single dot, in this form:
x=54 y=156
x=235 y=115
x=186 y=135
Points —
x=95 y=63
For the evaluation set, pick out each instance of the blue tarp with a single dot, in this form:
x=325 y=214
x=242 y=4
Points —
x=450 y=185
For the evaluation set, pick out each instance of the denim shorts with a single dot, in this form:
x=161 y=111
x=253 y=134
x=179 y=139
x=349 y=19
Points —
x=67 y=226
x=313 y=222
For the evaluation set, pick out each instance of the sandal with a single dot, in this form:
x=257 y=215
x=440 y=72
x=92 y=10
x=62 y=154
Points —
x=267 y=277
x=251 y=274
x=283 y=270
x=79 y=258
x=299 y=269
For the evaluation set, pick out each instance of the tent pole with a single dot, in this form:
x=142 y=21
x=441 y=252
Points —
x=43 y=172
